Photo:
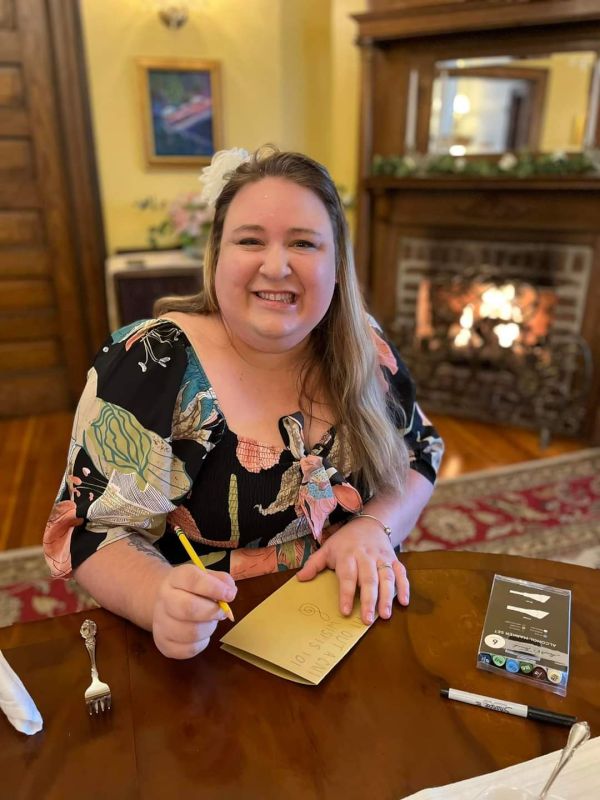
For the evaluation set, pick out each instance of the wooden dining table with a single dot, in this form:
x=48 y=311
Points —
x=215 y=726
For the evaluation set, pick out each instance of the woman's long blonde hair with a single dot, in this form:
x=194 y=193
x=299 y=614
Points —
x=343 y=354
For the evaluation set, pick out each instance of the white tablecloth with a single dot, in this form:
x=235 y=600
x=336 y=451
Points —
x=579 y=780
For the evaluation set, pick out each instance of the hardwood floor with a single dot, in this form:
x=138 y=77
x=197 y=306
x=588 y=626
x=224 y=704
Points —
x=33 y=453
x=474 y=445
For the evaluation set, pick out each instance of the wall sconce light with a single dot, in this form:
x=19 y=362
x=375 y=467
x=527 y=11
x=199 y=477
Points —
x=173 y=15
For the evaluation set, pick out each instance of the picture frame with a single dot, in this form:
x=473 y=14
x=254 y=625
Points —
x=181 y=110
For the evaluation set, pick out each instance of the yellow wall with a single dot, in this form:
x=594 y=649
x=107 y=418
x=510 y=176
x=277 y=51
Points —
x=567 y=101
x=289 y=76
x=345 y=92
x=305 y=85
x=567 y=94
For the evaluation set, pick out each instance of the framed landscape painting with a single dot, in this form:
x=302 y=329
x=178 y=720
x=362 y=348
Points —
x=181 y=105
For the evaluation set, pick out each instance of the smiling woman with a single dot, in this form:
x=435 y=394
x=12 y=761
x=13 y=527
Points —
x=276 y=276
x=278 y=423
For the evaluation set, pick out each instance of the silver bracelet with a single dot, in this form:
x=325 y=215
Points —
x=387 y=530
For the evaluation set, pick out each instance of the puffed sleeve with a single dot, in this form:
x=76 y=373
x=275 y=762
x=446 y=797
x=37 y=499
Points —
x=424 y=443
x=144 y=424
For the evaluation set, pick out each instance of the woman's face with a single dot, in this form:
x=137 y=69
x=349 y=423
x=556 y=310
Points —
x=275 y=274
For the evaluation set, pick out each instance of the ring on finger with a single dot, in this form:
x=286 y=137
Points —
x=384 y=565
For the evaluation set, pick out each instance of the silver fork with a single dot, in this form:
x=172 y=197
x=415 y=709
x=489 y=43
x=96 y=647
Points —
x=97 y=695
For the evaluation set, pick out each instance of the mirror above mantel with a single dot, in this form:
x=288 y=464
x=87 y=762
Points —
x=496 y=104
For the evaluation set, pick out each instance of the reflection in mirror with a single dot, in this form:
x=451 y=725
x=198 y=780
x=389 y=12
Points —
x=500 y=104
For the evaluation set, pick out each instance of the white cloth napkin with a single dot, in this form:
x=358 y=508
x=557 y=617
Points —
x=579 y=780
x=16 y=701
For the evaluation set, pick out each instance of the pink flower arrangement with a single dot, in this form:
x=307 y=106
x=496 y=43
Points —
x=188 y=220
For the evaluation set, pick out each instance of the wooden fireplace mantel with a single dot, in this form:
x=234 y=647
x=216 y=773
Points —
x=453 y=183
x=405 y=20
x=565 y=206
x=400 y=39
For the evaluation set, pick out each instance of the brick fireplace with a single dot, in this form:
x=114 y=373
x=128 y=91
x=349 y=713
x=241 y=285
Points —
x=538 y=232
x=492 y=329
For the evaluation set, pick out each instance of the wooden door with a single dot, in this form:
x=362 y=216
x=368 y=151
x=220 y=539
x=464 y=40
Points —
x=52 y=308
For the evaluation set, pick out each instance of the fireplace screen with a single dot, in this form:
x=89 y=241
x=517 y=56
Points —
x=496 y=341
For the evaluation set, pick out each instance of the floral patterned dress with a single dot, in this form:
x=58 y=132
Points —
x=151 y=449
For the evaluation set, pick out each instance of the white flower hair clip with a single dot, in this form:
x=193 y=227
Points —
x=215 y=176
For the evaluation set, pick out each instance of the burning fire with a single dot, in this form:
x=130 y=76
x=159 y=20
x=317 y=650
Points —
x=484 y=315
x=495 y=303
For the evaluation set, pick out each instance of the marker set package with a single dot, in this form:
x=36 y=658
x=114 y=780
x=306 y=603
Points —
x=526 y=633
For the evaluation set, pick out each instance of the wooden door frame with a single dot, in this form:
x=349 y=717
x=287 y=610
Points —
x=80 y=161
x=59 y=108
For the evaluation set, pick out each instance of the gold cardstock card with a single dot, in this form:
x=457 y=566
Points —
x=298 y=632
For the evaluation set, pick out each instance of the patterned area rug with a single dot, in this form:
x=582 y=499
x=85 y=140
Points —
x=542 y=509
x=548 y=508
x=27 y=593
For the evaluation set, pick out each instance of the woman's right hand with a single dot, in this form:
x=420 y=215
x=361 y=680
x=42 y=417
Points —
x=186 y=610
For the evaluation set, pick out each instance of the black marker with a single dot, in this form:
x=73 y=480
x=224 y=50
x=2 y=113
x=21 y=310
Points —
x=506 y=707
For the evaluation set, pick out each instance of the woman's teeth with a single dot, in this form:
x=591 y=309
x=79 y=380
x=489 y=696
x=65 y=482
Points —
x=280 y=297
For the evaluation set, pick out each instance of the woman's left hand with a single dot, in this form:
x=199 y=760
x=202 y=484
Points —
x=361 y=555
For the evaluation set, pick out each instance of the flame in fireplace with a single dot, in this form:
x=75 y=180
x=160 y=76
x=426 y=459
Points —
x=507 y=333
x=465 y=334
x=495 y=303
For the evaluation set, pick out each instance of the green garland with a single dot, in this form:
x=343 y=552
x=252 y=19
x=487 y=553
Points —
x=522 y=165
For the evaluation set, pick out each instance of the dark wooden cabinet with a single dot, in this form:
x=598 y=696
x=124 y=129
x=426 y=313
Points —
x=136 y=280
x=137 y=291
